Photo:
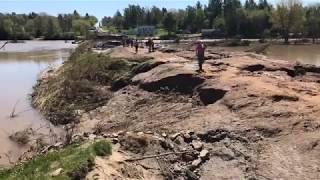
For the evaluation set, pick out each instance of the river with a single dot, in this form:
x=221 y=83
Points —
x=20 y=65
x=306 y=54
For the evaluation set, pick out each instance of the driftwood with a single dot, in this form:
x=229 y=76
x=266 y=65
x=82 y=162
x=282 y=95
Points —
x=157 y=155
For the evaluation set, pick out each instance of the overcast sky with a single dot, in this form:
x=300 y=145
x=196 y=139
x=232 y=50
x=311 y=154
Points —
x=98 y=8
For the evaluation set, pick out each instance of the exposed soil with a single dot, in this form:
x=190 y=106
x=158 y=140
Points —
x=257 y=117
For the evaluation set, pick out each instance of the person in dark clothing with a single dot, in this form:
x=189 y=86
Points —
x=152 y=45
x=131 y=42
x=136 y=45
x=200 y=49
x=148 y=44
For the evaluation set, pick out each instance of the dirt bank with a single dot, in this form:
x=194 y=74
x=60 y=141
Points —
x=259 y=116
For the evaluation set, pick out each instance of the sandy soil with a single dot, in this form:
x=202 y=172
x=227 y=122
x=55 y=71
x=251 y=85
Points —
x=271 y=103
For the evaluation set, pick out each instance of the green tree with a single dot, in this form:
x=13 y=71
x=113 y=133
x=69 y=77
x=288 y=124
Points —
x=288 y=17
x=231 y=16
x=250 y=4
x=117 y=20
x=214 y=10
x=169 y=23
x=313 y=21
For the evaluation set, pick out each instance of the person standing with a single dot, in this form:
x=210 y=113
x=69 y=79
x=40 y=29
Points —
x=136 y=45
x=152 y=45
x=200 y=49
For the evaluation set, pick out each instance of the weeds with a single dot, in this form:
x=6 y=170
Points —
x=102 y=148
x=75 y=160
x=80 y=84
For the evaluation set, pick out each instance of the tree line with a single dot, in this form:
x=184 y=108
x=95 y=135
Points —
x=253 y=19
x=41 y=25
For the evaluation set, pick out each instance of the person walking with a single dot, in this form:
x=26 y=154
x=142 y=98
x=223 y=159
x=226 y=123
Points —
x=200 y=49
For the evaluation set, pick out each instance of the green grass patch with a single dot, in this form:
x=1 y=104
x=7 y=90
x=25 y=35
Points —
x=75 y=160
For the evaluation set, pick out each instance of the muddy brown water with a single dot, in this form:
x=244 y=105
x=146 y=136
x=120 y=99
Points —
x=306 y=54
x=20 y=66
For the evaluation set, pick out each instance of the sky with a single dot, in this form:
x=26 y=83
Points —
x=98 y=8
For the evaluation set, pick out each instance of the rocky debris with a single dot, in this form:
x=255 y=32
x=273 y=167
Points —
x=195 y=164
x=187 y=152
x=164 y=135
x=197 y=145
x=174 y=136
x=191 y=175
x=204 y=154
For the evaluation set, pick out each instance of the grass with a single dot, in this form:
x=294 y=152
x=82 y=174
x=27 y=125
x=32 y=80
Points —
x=75 y=160
x=77 y=85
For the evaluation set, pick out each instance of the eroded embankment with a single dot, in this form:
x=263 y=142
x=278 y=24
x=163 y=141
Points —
x=260 y=115
x=83 y=83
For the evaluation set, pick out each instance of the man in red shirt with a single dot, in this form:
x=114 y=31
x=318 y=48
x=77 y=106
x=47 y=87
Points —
x=200 y=48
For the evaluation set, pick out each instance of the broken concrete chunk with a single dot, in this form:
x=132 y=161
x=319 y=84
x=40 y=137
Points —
x=174 y=136
x=187 y=138
x=197 y=145
x=204 y=154
x=179 y=140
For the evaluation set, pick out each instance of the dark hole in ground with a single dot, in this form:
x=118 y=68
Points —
x=290 y=72
x=211 y=95
x=253 y=68
x=184 y=83
x=277 y=98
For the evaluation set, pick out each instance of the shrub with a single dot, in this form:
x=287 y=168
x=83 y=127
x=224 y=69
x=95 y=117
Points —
x=102 y=148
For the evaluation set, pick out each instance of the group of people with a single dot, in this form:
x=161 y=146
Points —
x=135 y=43
x=200 y=49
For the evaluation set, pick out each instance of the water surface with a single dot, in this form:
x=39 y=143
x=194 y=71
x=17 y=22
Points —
x=306 y=54
x=20 y=65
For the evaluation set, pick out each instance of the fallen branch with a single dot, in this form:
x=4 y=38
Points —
x=158 y=155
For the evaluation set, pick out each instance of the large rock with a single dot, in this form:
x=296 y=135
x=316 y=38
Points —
x=169 y=77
